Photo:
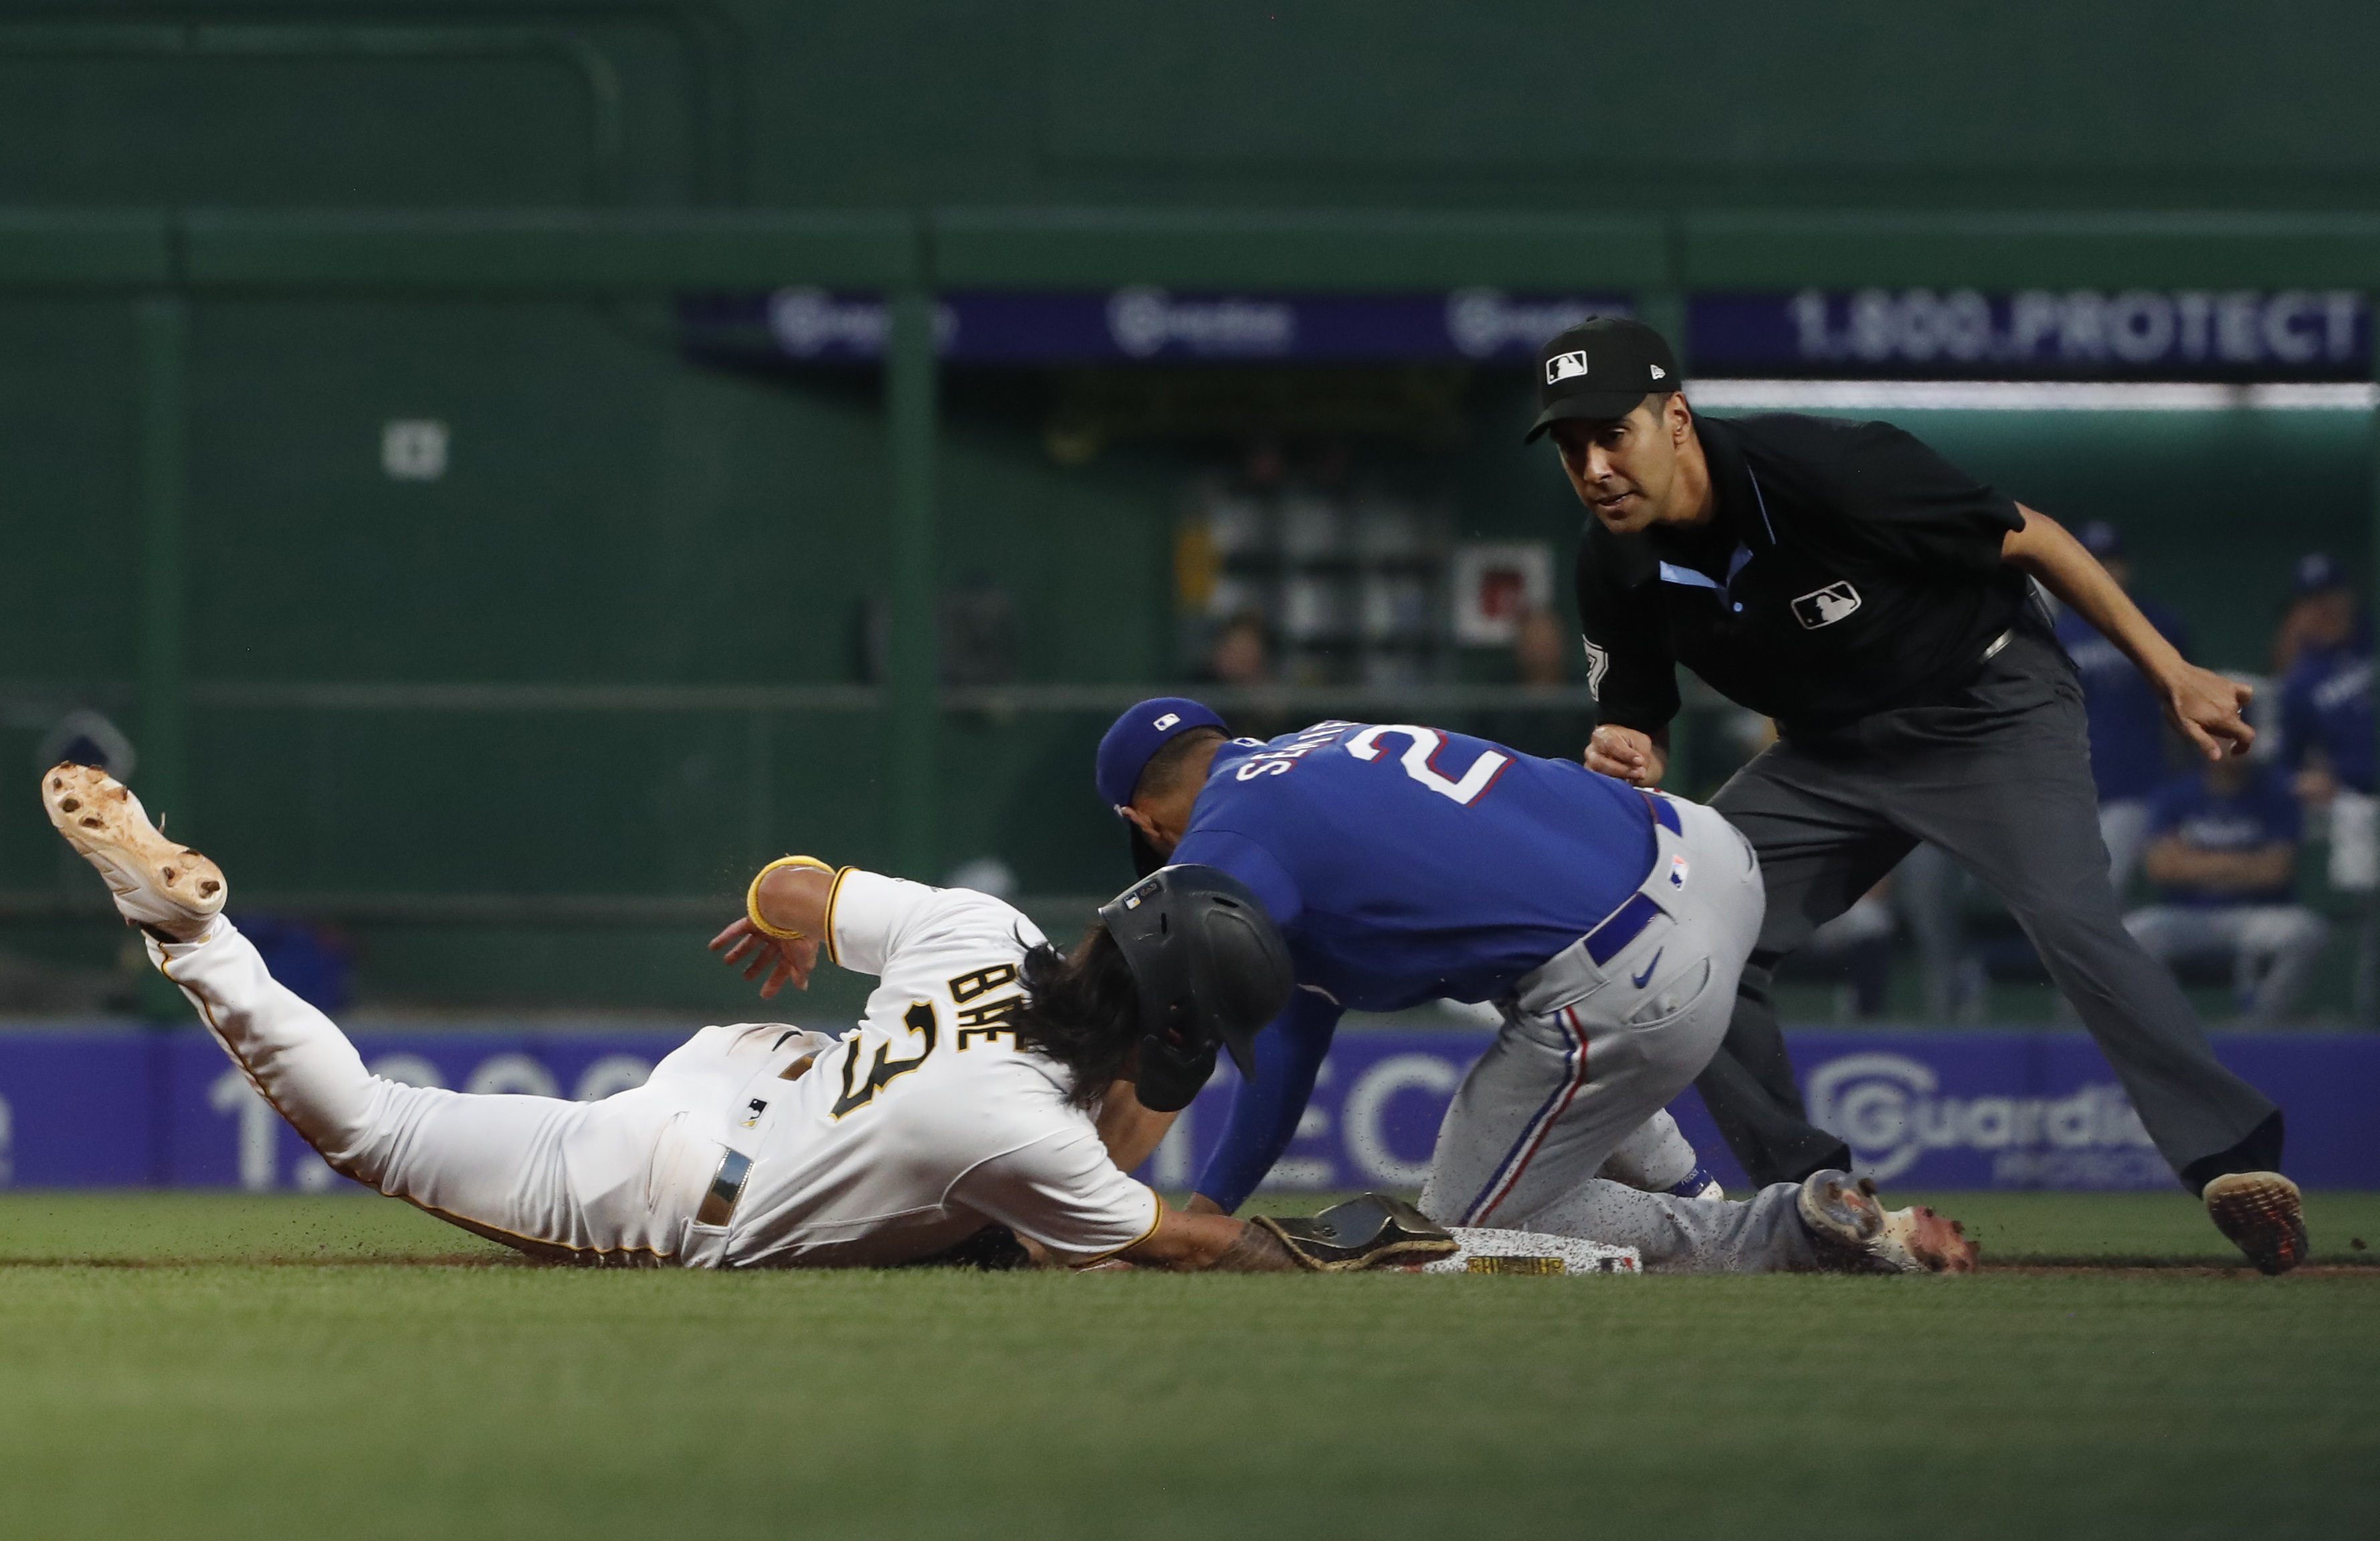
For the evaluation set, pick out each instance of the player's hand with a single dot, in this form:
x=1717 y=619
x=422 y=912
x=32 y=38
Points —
x=1631 y=756
x=2207 y=707
x=783 y=962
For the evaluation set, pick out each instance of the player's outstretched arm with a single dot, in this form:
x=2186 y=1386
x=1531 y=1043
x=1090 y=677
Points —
x=2202 y=704
x=1131 y=1131
x=1370 y=1231
x=785 y=918
x=1217 y=1243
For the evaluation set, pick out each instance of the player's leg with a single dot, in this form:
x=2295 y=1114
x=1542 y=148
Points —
x=1824 y=1224
x=2170 y=932
x=2124 y=829
x=1927 y=889
x=1593 y=1049
x=2283 y=943
x=554 y=1177
x=1821 y=846
x=1659 y=1158
x=585 y=1181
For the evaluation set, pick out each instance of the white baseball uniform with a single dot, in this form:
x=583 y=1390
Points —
x=909 y=1134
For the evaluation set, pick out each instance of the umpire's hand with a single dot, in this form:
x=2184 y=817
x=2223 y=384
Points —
x=1634 y=757
x=2208 y=707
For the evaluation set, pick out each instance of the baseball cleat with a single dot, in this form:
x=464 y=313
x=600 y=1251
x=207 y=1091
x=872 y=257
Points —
x=1917 y=1240
x=2263 y=1215
x=168 y=889
x=1846 y=1220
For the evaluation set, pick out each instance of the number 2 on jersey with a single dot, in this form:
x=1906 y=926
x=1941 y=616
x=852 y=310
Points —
x=1424 y=746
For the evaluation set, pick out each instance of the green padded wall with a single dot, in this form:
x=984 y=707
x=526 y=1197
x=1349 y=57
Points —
x=617 y=516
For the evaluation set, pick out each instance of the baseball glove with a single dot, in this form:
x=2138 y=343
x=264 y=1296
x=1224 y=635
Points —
x=1372 y=1230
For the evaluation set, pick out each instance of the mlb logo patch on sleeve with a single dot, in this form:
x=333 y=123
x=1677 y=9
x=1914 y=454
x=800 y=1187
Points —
x=1564 y=366
x=1823 y=607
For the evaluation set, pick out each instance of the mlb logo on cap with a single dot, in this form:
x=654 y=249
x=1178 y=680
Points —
x=1148 y=727
x=1632 y=362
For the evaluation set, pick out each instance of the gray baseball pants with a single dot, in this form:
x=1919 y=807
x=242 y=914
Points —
x=1590 y=1050
x=2000 y=780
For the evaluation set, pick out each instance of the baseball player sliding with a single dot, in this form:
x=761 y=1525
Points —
x=956 y=1122
x=1609 y=924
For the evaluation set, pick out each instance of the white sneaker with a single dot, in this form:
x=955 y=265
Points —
x=167 y=887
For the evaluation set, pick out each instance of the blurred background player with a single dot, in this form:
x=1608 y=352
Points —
x=1543 y=646
x=2128 y=737
x=2324 y=648
x=2222 y=848
x=1240 y=653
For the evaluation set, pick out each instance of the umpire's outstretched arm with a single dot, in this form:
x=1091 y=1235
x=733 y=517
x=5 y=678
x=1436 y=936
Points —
x=2202 y=705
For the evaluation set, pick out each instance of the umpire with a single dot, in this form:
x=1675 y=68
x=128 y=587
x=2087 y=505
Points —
x=1845 y=580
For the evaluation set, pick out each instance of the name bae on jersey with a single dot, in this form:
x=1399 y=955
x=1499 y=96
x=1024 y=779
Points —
x=977 y=1021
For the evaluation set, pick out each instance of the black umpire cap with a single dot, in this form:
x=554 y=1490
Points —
x=1599 y=370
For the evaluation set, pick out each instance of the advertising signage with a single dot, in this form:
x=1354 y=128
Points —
x=1969 y=1107
x=1141 y=323
x=2199 y=335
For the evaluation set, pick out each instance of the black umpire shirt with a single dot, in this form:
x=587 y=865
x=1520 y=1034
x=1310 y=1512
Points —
x=1847 y=569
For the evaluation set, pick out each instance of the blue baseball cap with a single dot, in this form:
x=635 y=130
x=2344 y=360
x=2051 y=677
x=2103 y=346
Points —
x=1136 y=735
x=2316 y=573
x=2101 y=539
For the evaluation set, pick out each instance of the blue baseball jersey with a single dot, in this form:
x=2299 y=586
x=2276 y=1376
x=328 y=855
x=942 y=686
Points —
x=1404 y=863
x=2260 y=814
x=2127 y=722
x=2327 y=706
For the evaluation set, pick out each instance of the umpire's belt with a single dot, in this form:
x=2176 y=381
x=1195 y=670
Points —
x=726 y=1187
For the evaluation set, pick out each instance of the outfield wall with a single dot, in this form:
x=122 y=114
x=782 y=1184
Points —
x=1951 y=1109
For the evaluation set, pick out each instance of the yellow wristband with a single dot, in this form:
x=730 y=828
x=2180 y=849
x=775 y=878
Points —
x=752 y=896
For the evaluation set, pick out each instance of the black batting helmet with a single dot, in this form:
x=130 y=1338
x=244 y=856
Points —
x=1211 y=970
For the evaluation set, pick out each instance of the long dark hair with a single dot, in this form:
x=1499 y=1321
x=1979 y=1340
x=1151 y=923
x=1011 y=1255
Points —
x=1081 y=1008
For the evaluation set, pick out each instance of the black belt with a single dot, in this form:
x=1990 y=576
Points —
x=1943 y=692
x=726 y=1187
x=1627 y=923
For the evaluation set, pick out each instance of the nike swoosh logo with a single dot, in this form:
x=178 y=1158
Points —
x=1638 y=979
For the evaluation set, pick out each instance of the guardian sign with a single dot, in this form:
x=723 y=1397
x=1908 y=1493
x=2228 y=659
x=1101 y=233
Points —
x=97 y=1106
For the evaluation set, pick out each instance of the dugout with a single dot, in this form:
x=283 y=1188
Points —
x=443 y=519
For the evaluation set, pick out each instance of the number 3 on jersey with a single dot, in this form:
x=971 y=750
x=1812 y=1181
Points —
x=918 y=1019
x=1423 y=747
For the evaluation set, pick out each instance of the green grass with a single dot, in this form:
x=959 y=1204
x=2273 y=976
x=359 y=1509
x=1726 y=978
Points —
x=215 y=1366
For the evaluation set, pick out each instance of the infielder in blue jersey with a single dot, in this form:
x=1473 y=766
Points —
x=1405 y=864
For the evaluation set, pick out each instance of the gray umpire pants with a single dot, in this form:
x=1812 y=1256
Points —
x=1590 y=1049
x=1999 y=779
